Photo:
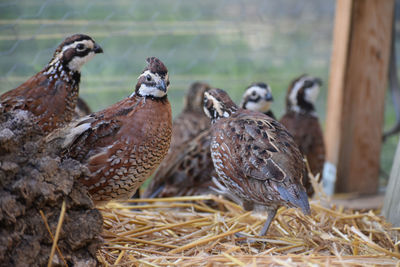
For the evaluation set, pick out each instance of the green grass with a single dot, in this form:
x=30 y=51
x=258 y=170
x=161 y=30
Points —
x=225 y=43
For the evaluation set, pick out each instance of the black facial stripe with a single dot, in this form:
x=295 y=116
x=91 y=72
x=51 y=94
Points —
x=151 y=83
x=81 y=38
x=302 y=103
x=83 y=53
x=255 y=99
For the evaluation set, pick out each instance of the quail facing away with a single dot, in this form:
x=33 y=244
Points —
x=51 y=94
x=188 y=169
x=123 y=144
x=302 y=122
x=192 y=120
x=255 y=157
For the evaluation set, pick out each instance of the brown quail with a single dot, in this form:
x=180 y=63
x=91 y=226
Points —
x=255 y=157
x=188 y=169
x=302 y=122
x=123 y=144
x=191 y=121
x=51 y=95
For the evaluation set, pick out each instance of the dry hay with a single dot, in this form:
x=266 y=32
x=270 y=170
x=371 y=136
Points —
x=186 y=231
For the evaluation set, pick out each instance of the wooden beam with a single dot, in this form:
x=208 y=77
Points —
x=358 y=76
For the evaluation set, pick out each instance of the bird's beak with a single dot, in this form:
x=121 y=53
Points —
x=318 y=81
x=97 y=49
x=268 y=97
x=162 y=86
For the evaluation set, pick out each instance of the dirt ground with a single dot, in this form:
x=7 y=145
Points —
x=32 y=179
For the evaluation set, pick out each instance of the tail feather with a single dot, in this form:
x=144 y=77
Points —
x=295 y=195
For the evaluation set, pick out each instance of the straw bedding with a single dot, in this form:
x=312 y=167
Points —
x=188 y=231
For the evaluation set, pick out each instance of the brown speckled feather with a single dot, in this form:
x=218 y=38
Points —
x=52 y=102
x=51 y=94
x=185 y=171
x=302 y=122
x=255 y=157
x=123 y=144
x=257 y=152
x=188 y=168
x=192 y=120
x=308 y=135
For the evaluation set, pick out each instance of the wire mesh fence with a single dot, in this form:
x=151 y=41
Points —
x=228 y=44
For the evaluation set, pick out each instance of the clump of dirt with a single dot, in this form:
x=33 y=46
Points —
x=32 y=179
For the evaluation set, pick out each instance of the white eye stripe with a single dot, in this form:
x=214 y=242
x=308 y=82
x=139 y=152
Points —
x=155 y=76
x=215 y=104
x=87 y=43
x=311 y=93
x=259 y=91
x=296 y=87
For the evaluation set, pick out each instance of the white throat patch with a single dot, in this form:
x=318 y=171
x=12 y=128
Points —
x=145 y=90
x=76 y=63
x=311 y=94
x=296 y=87
x=261 y=105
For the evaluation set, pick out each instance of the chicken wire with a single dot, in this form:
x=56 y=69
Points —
x=227 y=43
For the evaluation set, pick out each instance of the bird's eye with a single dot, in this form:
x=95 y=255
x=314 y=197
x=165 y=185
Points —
x=148 y=78
x=308 y=83
x=253 y=93
x=80 y=47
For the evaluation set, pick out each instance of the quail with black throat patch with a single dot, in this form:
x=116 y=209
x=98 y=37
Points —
x=51 y=95
x=302 y=122
x=255 y=157
x=123 y=144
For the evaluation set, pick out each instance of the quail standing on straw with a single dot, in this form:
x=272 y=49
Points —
x=255 y=157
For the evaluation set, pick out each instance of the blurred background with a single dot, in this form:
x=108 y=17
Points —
x=227 y=43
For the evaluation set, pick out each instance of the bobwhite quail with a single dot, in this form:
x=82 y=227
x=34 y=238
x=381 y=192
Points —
x=51 y=94
x=255 y=157
x=191 y=121
x=188 y=169
x=258 y=97
x=302 y=122
x=123 y=144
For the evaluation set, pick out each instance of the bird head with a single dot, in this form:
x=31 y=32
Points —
x=75 y=51
x=302 y=93
x=154 y=81
x=217 y=104
x=195 y=95
x=257 y=97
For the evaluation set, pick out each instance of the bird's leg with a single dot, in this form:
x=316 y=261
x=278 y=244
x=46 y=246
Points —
x=271 y=215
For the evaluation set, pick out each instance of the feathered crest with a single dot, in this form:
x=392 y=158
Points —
x=156 y=66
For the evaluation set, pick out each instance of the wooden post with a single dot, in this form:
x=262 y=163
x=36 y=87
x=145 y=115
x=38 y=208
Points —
x=359 y=71
x=391 y=206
